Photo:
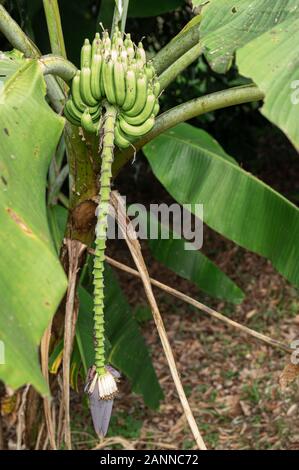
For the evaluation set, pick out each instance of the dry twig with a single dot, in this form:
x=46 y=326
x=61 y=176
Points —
x=112 y=441
x=21 y=416
x=39 y=436
x=44 y=350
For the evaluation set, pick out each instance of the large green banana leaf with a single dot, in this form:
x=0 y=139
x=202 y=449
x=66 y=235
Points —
x=266 y=35
x=236 y=204
x=32 y=281
x=227 y=26
x=272 y=61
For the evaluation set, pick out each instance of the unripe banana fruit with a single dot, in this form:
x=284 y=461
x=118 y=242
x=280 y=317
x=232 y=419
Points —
x=108 y=75
x=119 y=82
x=96 y=44
x=120 y=139
x=130 y=90
x=141 y=53
x=70 y=117
x=116 y=71
x=96 y=69
x=137 y=131
x=86 y=54
x=85 y=87
x=141 y=96
x=87 y=122
x=145 y=113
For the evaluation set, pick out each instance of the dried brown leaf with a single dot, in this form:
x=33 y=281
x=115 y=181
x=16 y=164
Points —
x=44 y=351
x=288 y=375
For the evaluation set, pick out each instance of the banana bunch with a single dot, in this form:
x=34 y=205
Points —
x=116 y=71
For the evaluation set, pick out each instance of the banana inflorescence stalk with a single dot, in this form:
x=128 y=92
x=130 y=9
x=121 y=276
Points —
x=101 y=233
x=115 y=95
x=106 y=382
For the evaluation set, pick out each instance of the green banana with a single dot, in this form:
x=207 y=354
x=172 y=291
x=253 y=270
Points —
x=76 y=92
x=129 y=45
x=131 y=52
x=86 y=54
x=85 y=87
x=124 y=61
x=119 y=43
x=96 y=114
x=137 y=131
x=140 y=54
x=70 y=117
x=146 y=113
x=117 y=33
x=95 y=82
x=131 y=90
x=141 y=96
x=102 y=86
x=133 y=64
x=121 y=141
x=77 y=115
x=96 y=44
x=114 y=54
x=76 y=95
x=72 y=110
x=124 y=57
x=106 y=54
x=119 y=82
x=156 y=109
x=108 y=68
x=106 y=41
x=150 y=71
x=87 y=122
x=128 y=41
x=140 y=65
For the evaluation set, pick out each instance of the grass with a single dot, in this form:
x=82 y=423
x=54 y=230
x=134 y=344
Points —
x=252 y=393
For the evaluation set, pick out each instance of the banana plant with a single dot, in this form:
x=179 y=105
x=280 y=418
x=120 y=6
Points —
x=102 y=114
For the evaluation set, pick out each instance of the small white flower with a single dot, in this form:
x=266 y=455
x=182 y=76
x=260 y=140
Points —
x=105 y=384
